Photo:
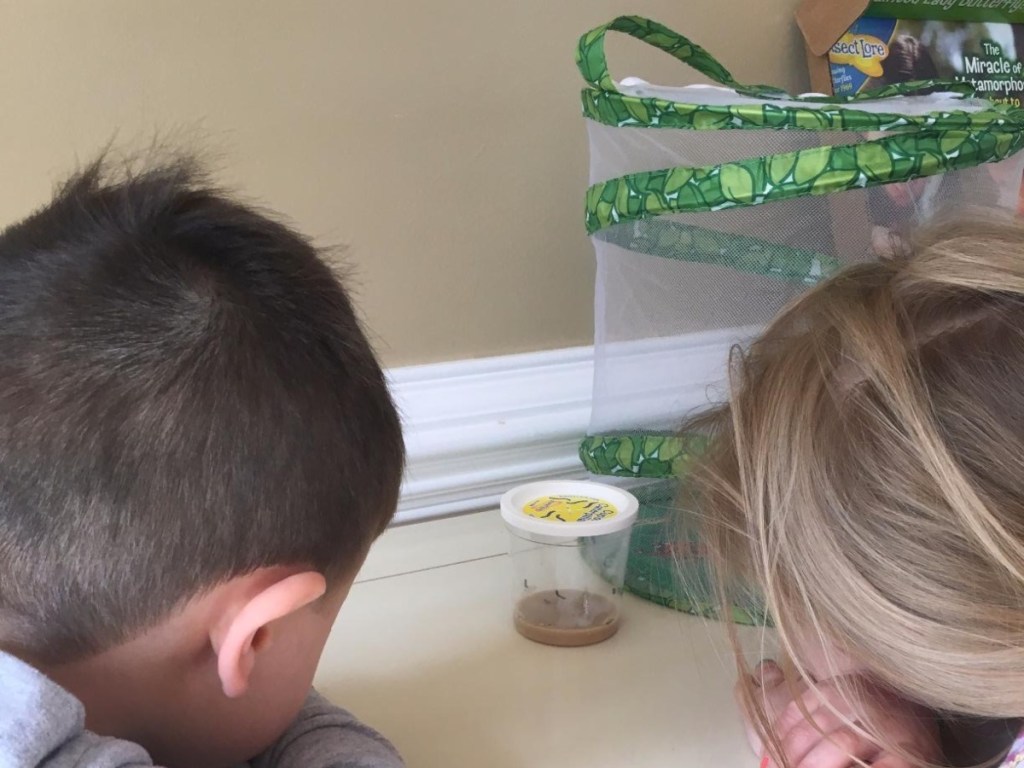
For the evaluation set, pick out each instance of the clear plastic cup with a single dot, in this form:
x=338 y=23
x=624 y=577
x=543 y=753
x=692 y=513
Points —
x=569 y=542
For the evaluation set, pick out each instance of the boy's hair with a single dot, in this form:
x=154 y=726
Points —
x=186 y=395
x=868 y=473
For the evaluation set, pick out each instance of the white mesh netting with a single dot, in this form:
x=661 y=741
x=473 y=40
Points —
x=675 y=292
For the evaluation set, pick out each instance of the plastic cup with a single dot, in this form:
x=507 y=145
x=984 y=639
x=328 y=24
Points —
x=569 y=542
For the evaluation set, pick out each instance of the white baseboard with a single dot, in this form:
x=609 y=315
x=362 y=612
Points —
x=475 y=428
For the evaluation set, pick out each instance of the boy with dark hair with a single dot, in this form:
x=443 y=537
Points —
x=197 y=448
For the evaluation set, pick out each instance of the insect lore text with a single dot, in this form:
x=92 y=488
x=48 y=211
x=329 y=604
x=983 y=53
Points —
x=864 y=52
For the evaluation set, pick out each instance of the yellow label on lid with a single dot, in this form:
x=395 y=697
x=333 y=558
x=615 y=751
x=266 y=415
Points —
x=570 y=509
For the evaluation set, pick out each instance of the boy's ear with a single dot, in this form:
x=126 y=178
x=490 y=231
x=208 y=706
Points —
x=239 y=638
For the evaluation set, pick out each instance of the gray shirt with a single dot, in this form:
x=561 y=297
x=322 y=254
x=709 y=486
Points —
x=43 y=726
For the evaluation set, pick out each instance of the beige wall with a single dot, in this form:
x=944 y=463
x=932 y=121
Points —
x=440 y=139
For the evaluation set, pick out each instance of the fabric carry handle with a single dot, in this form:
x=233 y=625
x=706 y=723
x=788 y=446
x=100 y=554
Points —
x=593 y=65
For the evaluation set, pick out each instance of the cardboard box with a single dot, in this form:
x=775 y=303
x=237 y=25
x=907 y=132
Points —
x=856 y=45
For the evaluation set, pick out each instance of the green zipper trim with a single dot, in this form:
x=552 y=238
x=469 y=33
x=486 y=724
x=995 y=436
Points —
x=808 y=172
x=641 y=455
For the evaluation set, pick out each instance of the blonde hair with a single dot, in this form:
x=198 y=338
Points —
x=867 y=475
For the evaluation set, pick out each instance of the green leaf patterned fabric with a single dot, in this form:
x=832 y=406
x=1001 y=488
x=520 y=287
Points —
x=919 y=145
x=641 y=455
x=668 y=565
x=669 y=239
x=810 y=172
x=593 y=64
x=667 y=562
x=604 y=103
x=622 y=111
x=910 y=147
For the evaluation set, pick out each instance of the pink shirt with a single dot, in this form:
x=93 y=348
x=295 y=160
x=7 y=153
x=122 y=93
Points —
x=1015 y=757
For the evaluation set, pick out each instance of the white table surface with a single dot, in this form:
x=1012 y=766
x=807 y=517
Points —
x=424 y=650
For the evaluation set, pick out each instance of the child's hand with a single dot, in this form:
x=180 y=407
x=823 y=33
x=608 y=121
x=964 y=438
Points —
x=827 y=740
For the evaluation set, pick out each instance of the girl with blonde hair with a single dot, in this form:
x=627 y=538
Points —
x=867 y=478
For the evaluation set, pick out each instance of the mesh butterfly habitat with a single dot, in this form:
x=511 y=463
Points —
x=709 y=208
